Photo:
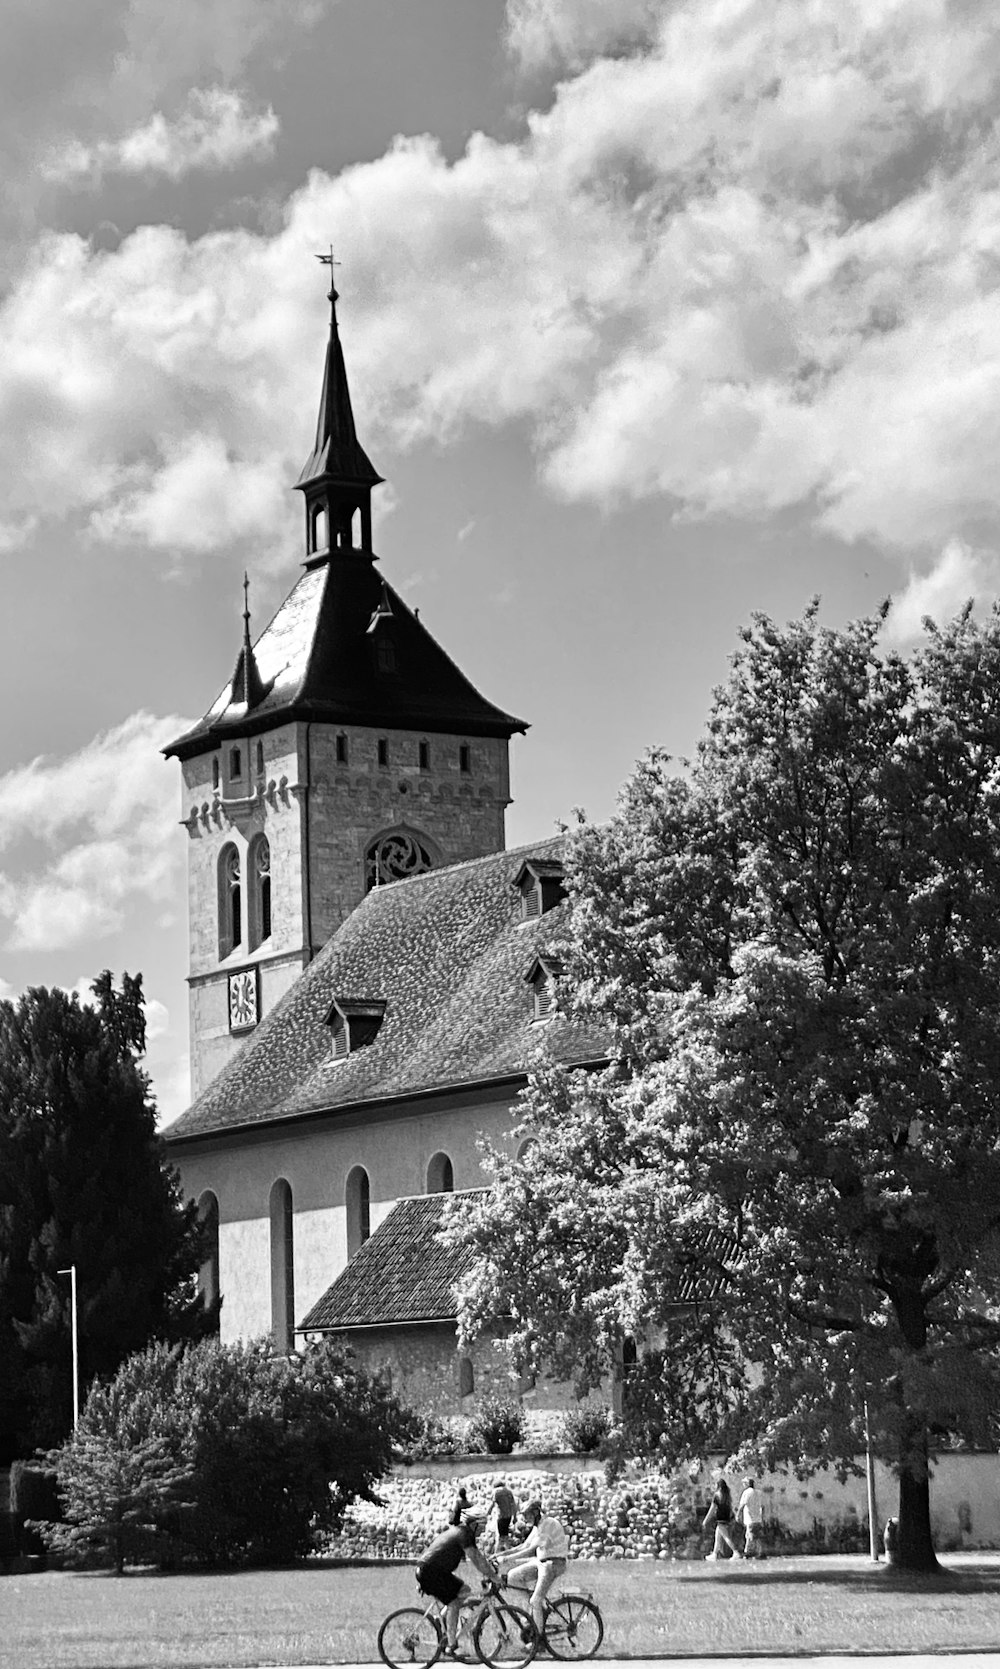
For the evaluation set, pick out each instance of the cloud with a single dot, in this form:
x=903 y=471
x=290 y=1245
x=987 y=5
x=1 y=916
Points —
x=745 y=261
x=214 y=131
x=571 y=31
x=88 y=836
x=959 y=576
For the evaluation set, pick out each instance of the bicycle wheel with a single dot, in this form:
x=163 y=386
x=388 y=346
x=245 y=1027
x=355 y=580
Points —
x=574 y=1628
x=409 y=1636
x=505 y=1636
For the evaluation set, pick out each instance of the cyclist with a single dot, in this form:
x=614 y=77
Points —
x=436 y=1571
x=548 y=1543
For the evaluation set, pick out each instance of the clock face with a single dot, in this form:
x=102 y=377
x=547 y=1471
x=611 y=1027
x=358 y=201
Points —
x=243 y=1003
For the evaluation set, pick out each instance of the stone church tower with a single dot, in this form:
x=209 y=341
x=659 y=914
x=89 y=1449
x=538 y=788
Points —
x=346 y=751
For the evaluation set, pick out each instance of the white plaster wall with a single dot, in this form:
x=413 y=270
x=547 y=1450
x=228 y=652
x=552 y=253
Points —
x=245 y=1278
x=315 y=1162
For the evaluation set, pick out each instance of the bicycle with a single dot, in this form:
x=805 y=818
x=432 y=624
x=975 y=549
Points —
x=502 y=1635
x=572 y=1626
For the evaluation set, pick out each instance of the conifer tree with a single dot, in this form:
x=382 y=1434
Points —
x=84 y=1181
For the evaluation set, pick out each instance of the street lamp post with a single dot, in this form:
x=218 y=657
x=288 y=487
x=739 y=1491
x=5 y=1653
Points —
x=872 y=1506
x=71 y=1272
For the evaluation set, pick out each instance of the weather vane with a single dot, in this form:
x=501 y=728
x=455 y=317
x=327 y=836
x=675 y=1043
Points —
x=329 y=261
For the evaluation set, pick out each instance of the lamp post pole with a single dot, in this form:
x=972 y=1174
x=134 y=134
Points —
x=872 y=1506
x=71 y=1272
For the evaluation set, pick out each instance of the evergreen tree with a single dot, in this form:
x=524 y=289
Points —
x=84 y=1181
x=789 y=1176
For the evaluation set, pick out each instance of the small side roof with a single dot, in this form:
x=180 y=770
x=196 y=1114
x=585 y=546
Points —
x=402 y=1273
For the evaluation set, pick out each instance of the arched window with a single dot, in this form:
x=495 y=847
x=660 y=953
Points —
x=230 y=900
x=394 y=855
x=358 y=1200
x=319 y=529
x=260 y=759
x=466 y=1377
x=259 y=883
x=282 y=1267
x=235 y=764
x=215 y=773
x=208 y=1274
x=440 y=1175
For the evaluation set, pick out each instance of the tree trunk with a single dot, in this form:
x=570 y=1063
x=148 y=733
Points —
x=915 y=1547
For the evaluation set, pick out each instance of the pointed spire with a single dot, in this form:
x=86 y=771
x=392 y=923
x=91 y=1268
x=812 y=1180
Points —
x=337 y=454
x=248 y=688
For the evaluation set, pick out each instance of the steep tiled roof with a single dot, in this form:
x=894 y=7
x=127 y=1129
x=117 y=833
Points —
x=316 y=660
x=446 y=951
x=403 y=1273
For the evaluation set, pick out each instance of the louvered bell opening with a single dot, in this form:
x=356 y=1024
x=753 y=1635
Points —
x=339 y=1037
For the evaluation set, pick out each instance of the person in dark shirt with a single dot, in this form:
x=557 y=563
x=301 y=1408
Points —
x=461 y=1506
x=436 y=1571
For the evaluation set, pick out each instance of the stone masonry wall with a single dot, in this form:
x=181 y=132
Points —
x=649 y=1516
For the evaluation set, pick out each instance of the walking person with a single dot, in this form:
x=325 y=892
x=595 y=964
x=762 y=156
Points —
x=721 y=1518
x=750 y=1512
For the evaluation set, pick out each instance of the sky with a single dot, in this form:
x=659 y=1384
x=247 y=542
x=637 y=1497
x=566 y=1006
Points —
x=656 y=313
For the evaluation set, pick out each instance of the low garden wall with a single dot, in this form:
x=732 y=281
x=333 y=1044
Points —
x=650 y=1516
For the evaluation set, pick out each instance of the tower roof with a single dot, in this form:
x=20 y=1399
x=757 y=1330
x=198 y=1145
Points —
x=337 y=455
x=344 y=648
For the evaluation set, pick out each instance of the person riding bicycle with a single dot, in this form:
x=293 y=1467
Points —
x=548 y=1543
x=437 y=1566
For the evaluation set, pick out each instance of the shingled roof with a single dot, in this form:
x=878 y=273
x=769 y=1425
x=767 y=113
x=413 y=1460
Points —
x=446 y=951
x=316 y=661
x=402 y=1273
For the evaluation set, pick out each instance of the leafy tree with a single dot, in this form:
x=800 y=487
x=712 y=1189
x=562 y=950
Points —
x=793 y=1159
x=84 y=1181
x=223 y=1455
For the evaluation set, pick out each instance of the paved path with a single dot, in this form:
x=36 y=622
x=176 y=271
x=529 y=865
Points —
x=952 y=1660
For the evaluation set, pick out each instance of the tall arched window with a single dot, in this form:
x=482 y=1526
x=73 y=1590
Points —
x=282 y=1267
x=208 y=1274
x=259 y=885
x=230 y=900
x=440 y=1175
x=358 y=1200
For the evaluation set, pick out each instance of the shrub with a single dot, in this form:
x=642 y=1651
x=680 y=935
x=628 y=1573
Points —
x=584 y=1429
x=431 y=1437
x=498 y=1423
x=223 y=1455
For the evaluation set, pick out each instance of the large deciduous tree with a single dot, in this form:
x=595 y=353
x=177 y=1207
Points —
x=789 y=1175
x=84 y=1182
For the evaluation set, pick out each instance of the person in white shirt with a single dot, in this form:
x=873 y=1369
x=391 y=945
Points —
x=750 y=1513
x=548 y=1544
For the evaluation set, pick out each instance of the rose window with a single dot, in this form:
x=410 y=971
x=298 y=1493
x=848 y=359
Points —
x=393 y=857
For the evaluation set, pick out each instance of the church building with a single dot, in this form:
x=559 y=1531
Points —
x=370 y=970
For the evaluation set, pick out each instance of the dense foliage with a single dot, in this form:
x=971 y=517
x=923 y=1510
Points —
x=789 y=1175
x=497 y=1424
x=222 y=1456
x=84 y=1181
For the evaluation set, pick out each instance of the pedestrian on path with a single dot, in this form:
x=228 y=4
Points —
x=720 y=1518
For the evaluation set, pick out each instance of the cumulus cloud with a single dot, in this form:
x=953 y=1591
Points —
x=214 y=131
x=960 y=575
x=571 y=31
x=88 y=835
x=745 y=261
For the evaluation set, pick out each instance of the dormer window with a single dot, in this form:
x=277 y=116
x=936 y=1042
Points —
x=539 y=882
x=541 y=975
x=354 y=1023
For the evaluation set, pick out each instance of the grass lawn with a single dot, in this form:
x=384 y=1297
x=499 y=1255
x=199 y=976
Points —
x=328 y=1614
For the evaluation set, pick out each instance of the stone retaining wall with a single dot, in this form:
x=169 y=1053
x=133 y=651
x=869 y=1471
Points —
x=649 y=1516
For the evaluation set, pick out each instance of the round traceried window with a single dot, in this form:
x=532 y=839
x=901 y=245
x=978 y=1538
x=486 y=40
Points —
x=392 y=857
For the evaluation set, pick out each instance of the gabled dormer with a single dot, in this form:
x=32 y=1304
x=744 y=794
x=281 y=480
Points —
x=354 y=1023
x=539 y=884
x=540 y=976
